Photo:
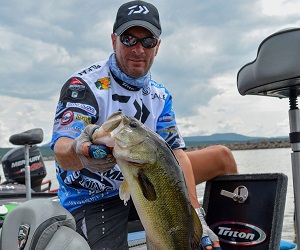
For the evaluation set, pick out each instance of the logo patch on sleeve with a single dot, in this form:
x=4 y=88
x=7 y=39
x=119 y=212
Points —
x=76 y=89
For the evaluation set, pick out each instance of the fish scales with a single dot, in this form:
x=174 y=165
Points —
x=155 y=182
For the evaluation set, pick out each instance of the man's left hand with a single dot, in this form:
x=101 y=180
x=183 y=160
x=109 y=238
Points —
x=209 y=239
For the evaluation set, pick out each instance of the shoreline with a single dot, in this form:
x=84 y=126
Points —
x=265 y=144
x=249 y=145
x=233 y=146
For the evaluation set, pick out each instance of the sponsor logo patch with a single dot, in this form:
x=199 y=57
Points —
x=239 y=233
x=67 y=117
x=166 y=118
x=76 y=89
x=86 y=119
x=146 y=91
x=89 y=70
x=88 y=108
x=76 y=84
x=103 y=83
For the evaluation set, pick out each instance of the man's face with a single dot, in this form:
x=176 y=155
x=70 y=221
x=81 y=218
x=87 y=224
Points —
x=134 y=61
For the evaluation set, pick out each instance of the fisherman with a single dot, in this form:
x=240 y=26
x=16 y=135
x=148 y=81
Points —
x=87 y=174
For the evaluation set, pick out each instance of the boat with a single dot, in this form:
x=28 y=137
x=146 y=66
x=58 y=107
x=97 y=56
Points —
x=13 y=189
x=275 y=72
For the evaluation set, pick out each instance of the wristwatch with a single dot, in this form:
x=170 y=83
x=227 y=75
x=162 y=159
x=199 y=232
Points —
x=201 y=211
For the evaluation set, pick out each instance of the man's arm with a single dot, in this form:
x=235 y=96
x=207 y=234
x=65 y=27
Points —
x=77 y=154
x=65 y=154
x=209 y=239
x=187 y=169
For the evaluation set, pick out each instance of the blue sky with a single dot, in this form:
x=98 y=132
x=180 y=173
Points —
x=204 y=44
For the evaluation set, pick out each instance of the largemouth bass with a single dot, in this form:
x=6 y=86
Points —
x=155 y=182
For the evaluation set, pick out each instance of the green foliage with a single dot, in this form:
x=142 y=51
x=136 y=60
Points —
x=46 y=151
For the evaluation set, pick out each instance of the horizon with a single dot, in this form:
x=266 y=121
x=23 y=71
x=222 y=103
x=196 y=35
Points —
x=198 y=60
x=263 y=137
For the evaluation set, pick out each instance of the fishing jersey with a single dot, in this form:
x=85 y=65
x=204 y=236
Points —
x=90 y=96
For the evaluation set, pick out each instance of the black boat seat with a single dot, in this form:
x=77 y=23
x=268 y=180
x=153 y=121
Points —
x=30 y=137
x=276 y=69
x=45 y=224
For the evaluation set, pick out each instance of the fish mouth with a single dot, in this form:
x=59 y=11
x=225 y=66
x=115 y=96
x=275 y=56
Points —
x=113 y=121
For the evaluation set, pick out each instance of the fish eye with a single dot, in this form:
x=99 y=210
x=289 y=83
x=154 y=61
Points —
x=133 y=124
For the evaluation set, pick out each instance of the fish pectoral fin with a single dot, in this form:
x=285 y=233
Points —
x=150 y=245
x=124 y=192
x=197 y=229
x=146 y=186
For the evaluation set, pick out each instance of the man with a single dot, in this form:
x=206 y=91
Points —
x=123 y=82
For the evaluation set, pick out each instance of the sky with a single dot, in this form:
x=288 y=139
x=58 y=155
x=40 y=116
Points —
x=203 y=46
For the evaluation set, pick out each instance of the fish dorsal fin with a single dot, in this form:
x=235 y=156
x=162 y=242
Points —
x=124 y=192
x=197 y=229
x=146 y=186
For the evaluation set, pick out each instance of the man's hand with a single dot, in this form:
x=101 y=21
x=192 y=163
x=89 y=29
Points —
x=209 y=239
x=96 y=158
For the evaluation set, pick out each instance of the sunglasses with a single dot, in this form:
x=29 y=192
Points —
x=148 y=42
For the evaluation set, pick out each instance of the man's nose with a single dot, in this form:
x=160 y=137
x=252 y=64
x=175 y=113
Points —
x=138 y=48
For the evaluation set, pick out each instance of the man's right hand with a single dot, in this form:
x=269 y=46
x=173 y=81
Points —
x=82 y=145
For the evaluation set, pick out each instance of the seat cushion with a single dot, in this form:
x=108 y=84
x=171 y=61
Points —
x=275 y=71
x=66 y=239
x=43 y=217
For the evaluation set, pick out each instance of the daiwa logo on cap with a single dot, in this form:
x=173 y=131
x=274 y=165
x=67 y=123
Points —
x=137 y=13
x=141 y=9
x=239 y=233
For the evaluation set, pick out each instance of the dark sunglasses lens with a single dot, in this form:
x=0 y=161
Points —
x=128 y=40
x=149 y=42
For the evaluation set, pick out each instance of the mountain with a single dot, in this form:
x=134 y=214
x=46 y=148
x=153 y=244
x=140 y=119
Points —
x=46 y=151
x=226 y=138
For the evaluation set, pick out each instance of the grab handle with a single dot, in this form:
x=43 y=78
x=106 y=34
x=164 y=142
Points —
x=240 y=194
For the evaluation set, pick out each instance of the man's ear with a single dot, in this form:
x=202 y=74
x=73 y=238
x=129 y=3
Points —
x=113 y=41
x=157 y=47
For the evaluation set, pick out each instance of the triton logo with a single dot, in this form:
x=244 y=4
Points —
x=141 y=9
x=238 y=233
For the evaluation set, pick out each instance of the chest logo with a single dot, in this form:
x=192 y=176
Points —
x=103 y=83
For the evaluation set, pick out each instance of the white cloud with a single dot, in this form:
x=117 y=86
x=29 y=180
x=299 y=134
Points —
x=280 y=7
x=18 y=115
x=203 y=47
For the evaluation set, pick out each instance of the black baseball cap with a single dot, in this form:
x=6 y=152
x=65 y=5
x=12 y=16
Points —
x=137 y=13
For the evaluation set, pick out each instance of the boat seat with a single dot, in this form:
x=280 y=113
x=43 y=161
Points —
x=29 y=137
x=276 y=69
x=40 y=224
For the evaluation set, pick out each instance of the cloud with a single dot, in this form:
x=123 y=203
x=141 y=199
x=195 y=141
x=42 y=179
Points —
x=204 y=44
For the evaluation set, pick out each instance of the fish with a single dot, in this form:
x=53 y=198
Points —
x=153 y=179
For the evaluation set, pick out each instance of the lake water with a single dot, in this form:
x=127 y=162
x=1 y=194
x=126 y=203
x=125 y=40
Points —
x=248 y=161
